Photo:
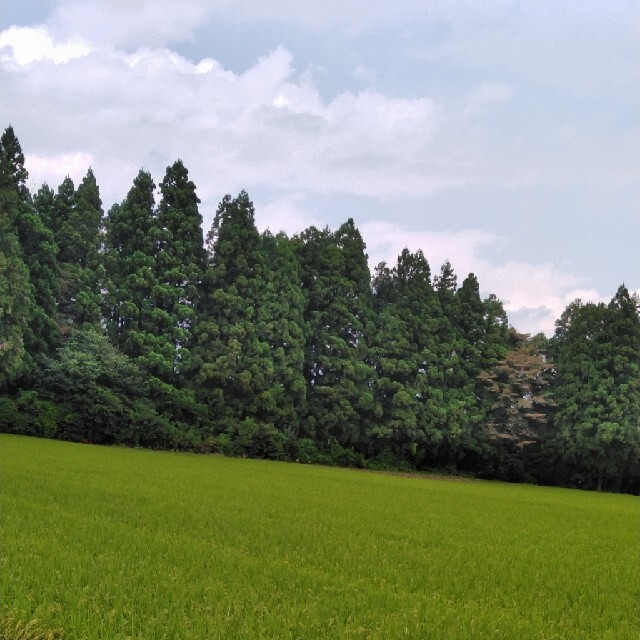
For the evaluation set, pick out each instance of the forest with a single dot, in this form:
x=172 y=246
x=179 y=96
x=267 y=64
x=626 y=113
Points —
x=132 y=327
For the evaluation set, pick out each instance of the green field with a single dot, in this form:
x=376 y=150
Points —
x=119 y=543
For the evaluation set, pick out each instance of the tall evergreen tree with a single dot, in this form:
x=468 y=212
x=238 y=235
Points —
x=180 y=265
x=16 y=296
x=12 y=167
x=132 y=236
x=61 y=211
x=336 y=283
x=75 y=218
x=597 y=391
x=479 y=336
x=458 y=360
x=150 y=293
x=231 y=360
x=469 y=320
x=406 y=357
x=43 y=202
x=39 y=249
x=79 y=223
x=280 y=326
x=17 y=305
x=446 y=285
x=498 y=338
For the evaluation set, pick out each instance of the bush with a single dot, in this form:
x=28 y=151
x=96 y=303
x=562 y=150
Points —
x=259 y=440
x=29 y=415
x=306 y=451
x=387 y=460
x=11 y=420
x=42 y=415
x=341 y=457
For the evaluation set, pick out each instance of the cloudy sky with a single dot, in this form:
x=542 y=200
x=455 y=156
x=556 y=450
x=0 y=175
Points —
x=502 y=135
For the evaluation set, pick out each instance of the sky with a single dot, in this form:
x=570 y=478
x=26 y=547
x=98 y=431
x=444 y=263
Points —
x=503 y=135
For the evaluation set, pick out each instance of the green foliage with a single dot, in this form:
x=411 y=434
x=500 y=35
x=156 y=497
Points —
x=29 y=414
x=17 y=305
x=279 y=325
x=42 y=334
x=11 y=421
x=97 y=384
x=13 y=173
x=131 y=244
x=102 y=395
x=180 y=266
x=336 y=284
x=67 y=252
x=406 y=354
x=257 y=440
x=266 y=346
x=233 y=361
x=597 y=392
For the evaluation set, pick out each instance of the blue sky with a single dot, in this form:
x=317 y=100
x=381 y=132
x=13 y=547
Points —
x=503 y=135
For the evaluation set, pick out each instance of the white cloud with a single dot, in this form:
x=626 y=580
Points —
x=263 y=126
x=269 y=124
x=34 y=44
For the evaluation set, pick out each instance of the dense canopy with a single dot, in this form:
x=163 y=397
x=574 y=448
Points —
x=132 y=327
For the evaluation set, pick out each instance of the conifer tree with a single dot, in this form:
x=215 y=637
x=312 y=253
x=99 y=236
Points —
x=470 y=321
x=180 y=265
x=231 y=361
x=41 y=253
x=61 y=212
x=478 y=332
x=77 y=218
x=43 y=204
x=498 y=337
x=42 y=335
x=131 y=246
x=12 y=166
x=458 y=411
x=17 y=303
x=280 y=326
x=597 y=391
x=446 y=285
x=150 y=293
x=406 y=357
x=16 y=297
x=336 y=283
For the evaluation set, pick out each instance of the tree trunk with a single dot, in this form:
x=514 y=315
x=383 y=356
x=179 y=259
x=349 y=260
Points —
x=599 y=483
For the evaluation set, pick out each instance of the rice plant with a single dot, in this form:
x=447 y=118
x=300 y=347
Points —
x=104 y=542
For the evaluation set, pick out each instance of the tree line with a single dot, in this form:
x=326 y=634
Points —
x=131 y=327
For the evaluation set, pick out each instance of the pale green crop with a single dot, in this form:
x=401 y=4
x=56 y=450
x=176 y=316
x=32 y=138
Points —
x=105 y=543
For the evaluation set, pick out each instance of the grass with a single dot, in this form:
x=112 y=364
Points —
x=117 y=543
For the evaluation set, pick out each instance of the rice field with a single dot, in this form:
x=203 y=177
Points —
x=102 y=543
